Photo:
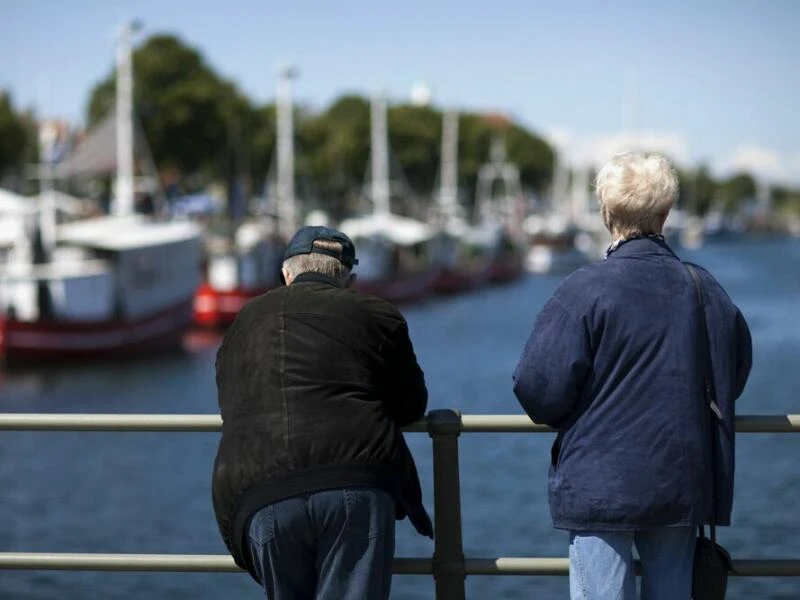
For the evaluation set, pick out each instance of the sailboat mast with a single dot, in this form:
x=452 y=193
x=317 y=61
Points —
x=124 y=122
x=48 y=137
x=380 y=156
x=580 y=193
x=287 y=215
x=448 y=192
x=560 y=187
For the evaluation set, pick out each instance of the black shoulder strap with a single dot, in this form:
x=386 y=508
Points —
x=705 y=351
x=708 y=387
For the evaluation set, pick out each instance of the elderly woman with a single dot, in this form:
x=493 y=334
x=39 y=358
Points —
x=613 y=364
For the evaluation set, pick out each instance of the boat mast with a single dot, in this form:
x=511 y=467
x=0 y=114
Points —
x=287 y=216
x=502 y=211
x=48 y=138
x=124 y=121
x=579 y=197
x=380 y=156
x=560 y=187
x=448 y=191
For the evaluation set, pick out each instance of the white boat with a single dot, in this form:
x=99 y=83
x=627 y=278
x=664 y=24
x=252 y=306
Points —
x=459 y=266
x=496 y=231
x=248 y=264
x=114 y=285
x=565 y=236
x=392 y=250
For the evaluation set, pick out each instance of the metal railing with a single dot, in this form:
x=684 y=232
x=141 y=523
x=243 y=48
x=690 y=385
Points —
x=448 y=565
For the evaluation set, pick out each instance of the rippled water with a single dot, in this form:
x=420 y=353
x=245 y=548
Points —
x=149 y=493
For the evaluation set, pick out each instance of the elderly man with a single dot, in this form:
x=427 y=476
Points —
x=613 y=363
x=314 y=382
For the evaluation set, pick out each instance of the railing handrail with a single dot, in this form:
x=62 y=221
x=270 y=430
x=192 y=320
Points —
x=448 y=565
x=223 y=563
x=213 y=423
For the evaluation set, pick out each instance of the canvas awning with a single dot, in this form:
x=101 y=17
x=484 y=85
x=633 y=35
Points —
x=97 y=153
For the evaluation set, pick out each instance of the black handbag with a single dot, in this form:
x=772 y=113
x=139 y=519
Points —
x=712 y=563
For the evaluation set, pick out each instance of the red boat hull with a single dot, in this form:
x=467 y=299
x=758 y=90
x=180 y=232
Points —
x=217 y=309
x=507 y=267
x=461 y=278
x=51 y=340
x=399 y=290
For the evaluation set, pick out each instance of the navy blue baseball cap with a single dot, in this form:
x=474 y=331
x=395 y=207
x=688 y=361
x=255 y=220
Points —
x=302 y=242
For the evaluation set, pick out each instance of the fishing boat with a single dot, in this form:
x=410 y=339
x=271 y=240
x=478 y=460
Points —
x=98 y=287
x=564 y=236
x=496 y=231
x=393 y=250
x=461 y=265
x=247 y=264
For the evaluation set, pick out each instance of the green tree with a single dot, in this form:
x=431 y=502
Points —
x=736 y=189
x=698 y=190
x=347 y=141
x=192 y=118
x=415 y=137
x=260 y=142
x=786 y=201
x=335 y=146
x=534 y=156
x=14 y=136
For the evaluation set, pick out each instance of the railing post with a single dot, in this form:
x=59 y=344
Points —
x=444 y=427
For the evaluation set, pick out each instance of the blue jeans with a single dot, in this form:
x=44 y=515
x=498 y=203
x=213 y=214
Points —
x=331 y=545
x=601 y=564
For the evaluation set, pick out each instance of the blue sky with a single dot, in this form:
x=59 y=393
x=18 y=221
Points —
x=714 y=80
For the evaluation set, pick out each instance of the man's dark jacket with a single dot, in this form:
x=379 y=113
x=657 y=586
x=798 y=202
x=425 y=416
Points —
x=314 y=382
x=613 y=363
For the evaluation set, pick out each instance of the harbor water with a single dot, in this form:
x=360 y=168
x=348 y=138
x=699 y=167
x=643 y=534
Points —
x=150 y=492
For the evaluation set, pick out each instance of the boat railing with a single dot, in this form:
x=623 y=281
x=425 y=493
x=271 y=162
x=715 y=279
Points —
x=448 y=565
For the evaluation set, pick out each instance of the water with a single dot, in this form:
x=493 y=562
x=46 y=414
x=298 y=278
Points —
x=150 y=492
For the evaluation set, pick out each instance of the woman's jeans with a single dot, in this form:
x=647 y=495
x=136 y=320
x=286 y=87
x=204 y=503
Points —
x=331 y=545
x=601 y=564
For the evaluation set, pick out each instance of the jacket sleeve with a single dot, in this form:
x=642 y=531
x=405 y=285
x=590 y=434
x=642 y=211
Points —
x=554 y=363
x=744 y=353
x=407 y=396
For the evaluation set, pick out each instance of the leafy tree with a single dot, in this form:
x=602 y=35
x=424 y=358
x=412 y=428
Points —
x=786 y=201
x=347 y=148
x=14 y=136
x=192 y=118
x=736 y=189
x=415 y=136
x=261 y=131
x=534 y=156
x=698 y=190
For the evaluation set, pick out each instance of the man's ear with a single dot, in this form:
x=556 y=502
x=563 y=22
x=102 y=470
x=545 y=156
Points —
x=285 y=278
x=351 y=279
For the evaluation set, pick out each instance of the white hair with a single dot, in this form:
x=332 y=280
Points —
x=636 y=192
x=318 y=263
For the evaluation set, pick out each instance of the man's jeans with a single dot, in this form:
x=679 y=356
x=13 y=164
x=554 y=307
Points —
x=331 y=545
x=601 y=564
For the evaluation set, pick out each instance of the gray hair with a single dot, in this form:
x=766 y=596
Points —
x=636 y=192
x=318 y=263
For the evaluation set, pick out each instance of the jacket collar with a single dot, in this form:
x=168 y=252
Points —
x=640 y=246
x=311 y=276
